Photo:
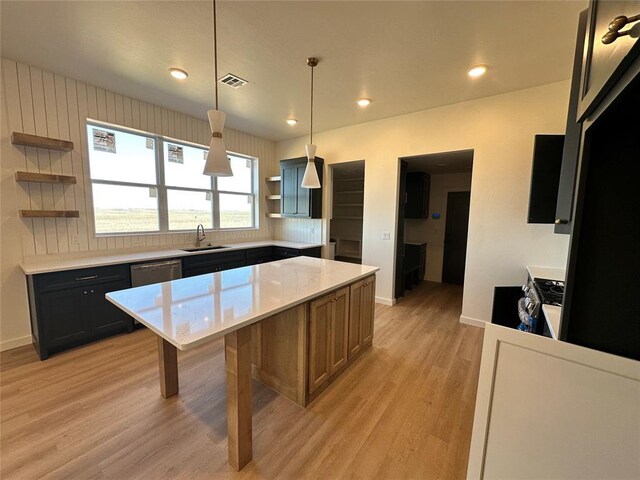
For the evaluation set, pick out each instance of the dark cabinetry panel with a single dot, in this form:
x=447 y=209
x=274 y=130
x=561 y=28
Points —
x=571 y=149
x=68 y=308
x=604 y=63
x=296 y=201
x=212 y=262
x=600 y=304
x=280 y=253
x=545 y=178
x=259 y=255
x=418 y=187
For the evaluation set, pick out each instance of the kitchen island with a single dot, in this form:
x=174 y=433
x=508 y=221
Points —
x=296 y=324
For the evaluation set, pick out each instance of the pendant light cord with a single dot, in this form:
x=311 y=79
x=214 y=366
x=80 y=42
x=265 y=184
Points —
x=311 y=135
x=215 y=52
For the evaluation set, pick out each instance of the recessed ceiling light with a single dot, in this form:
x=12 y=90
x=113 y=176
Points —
x=477 y=70
x=363 y=102
x=178 y=73
x=292 y=121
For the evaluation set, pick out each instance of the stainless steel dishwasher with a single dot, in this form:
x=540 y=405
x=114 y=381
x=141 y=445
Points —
x=155 y=272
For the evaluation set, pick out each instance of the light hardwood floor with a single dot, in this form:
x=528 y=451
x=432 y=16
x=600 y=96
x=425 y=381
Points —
x=403 y=410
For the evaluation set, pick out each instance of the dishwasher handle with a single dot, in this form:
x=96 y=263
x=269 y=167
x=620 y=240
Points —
x=153 y=266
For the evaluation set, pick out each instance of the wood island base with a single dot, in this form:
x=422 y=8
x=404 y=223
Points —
x=297 y=352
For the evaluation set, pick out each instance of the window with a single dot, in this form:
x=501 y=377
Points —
x=144 y=183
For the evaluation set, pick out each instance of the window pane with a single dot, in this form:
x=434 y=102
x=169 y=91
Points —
x=241 y=180
x=120 y=156
x=183 y=166
x=188 y=209
x=121 y=208
x=235 y=211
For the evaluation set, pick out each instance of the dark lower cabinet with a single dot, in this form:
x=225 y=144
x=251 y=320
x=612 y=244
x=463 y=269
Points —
x=256 y=256
x=280 y=253
x=212 y=262
x=69 y=308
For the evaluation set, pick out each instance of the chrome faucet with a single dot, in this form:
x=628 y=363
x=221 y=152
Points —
x=200 y=238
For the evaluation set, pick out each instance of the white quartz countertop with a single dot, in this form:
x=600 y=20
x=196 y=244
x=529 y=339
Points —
x=44 y=264
x=550 y=273
x=191 y=311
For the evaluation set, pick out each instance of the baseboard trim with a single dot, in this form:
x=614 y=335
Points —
x=386 y=301
x=15 y=343
x=472 y=321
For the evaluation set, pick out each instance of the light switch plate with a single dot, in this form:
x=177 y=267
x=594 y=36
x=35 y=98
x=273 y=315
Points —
x=386 y=235
x=74 y=239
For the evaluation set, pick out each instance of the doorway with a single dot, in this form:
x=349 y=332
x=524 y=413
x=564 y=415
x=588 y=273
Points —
x=433 y=216
x=455 y=237
x=345 y=229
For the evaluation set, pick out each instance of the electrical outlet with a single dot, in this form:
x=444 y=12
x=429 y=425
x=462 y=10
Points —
x=74 y=239
x=137 y=241
x=386 y=235
x=313 y=230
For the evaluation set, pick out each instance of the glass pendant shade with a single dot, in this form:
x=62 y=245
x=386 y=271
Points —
x=310 y=179
x=217 y=164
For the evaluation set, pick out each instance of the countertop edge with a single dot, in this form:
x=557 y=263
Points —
x=134 y=257
x=249 y=321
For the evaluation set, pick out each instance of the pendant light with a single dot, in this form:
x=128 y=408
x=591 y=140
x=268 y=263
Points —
x=218 y=163
x=310 y=179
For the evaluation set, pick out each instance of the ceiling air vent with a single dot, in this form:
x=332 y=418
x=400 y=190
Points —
x=233 y=81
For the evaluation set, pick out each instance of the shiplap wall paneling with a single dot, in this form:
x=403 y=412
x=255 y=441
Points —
x=42 y=103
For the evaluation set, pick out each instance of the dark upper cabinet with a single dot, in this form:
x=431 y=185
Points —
x=418 y=186
x=296 y=201
x=571 y=150
x=604 y=63
x=545 y=178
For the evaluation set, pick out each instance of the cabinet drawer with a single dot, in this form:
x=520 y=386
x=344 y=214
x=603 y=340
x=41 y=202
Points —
x=284 y=252
x=210 y=268
x=45 y=282
x=213 y=259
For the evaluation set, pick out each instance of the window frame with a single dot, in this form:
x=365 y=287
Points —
x=162 y=188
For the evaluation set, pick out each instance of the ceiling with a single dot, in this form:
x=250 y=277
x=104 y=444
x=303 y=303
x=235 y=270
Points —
x=405 y=56
x=460 y=161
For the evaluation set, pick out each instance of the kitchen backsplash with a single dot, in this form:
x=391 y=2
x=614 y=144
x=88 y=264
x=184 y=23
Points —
x=42 y=103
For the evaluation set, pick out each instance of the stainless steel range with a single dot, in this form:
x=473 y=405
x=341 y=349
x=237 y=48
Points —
x=537 y=292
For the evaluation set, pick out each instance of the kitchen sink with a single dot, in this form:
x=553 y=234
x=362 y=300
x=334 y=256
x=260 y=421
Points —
x=201 y=249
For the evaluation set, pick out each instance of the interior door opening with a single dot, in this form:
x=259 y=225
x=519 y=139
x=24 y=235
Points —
x=433 y=218
x=347 y=213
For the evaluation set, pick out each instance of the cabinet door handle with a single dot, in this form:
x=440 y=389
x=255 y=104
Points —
x=91 y=291
x=614 y=28
x=561 y=221
x=90 y=277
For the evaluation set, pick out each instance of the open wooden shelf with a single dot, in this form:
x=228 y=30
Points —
x=27 y=140
x=275 y=178
x=44 y=178
x=49 y=213
x=272 y=197
x=274 y=215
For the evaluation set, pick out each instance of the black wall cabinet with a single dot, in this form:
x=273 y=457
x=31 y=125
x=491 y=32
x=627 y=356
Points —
x=68 y=308
x=545 y=178
x=296 y=201
x=418 y=187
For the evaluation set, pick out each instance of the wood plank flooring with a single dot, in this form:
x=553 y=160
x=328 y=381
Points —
x=403 y=410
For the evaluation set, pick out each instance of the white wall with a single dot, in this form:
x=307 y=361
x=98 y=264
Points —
x=41 y=103
x=430 y=231
x=500 y=130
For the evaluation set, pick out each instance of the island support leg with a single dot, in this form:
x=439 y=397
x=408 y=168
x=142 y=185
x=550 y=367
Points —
x=168 y=363
x=238 y=362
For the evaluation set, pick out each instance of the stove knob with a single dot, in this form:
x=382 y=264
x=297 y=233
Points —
x=525 y=288
x=527 y=302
